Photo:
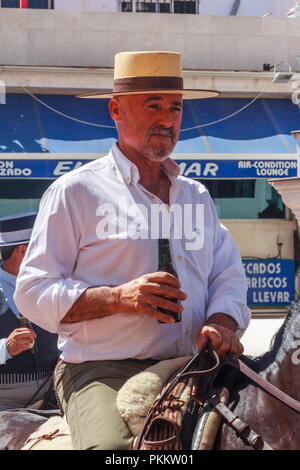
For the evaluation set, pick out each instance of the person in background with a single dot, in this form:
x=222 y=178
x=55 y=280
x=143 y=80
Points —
x=28 y=354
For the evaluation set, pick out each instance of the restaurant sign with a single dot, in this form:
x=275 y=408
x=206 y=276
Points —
x=270 y=282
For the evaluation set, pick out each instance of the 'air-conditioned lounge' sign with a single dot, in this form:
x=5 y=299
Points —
x=238 y=168
x=220 y=168
x=270 y=282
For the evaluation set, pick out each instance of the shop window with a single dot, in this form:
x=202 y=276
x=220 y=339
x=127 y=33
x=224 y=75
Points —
x=230 y=188
x=245 y=199
x=184 y=6
x=18 y=196
x=126 y=6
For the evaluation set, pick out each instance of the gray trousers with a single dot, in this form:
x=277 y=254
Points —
x=18 y=394
x=87 y=393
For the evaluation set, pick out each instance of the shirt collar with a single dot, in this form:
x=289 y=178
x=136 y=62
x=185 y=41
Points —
x=7 y=277
x=130 y=172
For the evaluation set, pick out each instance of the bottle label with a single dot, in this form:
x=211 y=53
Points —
x=164 y=255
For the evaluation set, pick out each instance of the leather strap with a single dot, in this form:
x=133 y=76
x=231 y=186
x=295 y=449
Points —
x=269 y=388
x=243 y=429
x=45 y=437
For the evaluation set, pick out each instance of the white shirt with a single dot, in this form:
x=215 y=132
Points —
x=72 y=248
x=7 y=288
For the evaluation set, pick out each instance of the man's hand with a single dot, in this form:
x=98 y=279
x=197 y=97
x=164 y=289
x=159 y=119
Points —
x=20 y=340
x=223 y=338
x=142 y=295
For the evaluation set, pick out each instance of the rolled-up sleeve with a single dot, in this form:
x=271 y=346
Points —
x=45 y=290
x=227 y=290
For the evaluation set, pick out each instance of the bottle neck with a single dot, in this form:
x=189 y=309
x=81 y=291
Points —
x=164 y=253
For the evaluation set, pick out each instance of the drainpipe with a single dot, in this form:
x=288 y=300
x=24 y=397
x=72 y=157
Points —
x=235 y=7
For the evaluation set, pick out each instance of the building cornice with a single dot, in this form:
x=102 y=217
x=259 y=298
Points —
x=73 y=80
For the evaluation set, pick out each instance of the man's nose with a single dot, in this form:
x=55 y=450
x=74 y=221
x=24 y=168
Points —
x=165 y=118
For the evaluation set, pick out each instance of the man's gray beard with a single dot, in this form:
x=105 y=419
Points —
x=156 y=155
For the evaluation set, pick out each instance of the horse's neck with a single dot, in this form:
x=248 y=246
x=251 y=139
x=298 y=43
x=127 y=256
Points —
x=284 y=373
x=280 y=366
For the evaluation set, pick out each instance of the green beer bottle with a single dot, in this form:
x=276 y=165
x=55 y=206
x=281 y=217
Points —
x=165 y=264
x=25 y=323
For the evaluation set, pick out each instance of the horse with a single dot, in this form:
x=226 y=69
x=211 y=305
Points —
x=278 y=425
x=16 y=426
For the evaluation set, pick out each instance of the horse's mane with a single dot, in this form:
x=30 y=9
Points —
x=281 y=343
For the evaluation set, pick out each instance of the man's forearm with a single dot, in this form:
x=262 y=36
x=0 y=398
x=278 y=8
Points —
x=95 y=302
x=223 y=319
x=146 y=295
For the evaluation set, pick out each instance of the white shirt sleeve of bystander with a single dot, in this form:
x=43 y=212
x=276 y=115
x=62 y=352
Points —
x=45 y=290
x=4 y=356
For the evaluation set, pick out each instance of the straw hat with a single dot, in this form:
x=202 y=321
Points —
x=150 y=72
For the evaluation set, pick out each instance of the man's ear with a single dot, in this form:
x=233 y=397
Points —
x=21 y=249
x=114 y=107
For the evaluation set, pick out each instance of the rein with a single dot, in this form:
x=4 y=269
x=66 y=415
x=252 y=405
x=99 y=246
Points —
x=262 y=383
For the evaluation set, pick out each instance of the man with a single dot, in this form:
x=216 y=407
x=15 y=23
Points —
x=27 y=353
x=90 y=273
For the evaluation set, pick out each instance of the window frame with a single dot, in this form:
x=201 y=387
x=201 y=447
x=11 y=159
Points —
x=135 y=8
x=129 y=3
x=145 y=2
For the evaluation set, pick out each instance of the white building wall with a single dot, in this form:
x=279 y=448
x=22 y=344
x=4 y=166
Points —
x=258 y=337
x=90 y=39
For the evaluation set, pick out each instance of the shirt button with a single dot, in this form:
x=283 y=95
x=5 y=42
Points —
x=187 y=332
x=179 y=257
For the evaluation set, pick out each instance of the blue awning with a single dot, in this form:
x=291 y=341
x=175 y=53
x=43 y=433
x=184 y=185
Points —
x=262 y=128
